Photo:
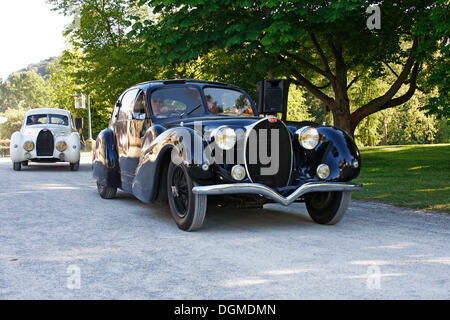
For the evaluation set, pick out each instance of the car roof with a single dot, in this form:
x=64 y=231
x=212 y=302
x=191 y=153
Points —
x=48 y=111
x=161 y=83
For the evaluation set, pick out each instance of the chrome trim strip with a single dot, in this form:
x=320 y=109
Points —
x=255 y=188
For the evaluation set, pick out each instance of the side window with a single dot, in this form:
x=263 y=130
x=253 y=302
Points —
x=127 y=105
x=139 y=110
x=115 y=111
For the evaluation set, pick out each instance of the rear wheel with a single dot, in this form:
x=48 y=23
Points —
x=328 y=207
x=75 y=166
x=187 y=209
x=17 y=166
x=106 y=192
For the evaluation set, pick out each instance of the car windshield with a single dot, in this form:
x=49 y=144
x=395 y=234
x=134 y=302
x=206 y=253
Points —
x=228 y=102
x=56 y=119
x=176 y=102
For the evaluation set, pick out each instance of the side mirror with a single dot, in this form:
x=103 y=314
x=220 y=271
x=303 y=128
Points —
x=79 y=123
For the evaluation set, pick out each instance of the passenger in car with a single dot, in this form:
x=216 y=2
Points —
x=158 y=106
x=212 y=105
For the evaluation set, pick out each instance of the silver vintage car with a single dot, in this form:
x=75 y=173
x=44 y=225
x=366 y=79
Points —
x=47 y=135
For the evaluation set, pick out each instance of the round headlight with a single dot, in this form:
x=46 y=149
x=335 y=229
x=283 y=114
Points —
x=323 y=171
x=225 y=138
x=238 y=172
x=61 y=146
x=28 y=146
x=308 y=137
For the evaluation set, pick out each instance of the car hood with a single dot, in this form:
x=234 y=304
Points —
x=207 y=124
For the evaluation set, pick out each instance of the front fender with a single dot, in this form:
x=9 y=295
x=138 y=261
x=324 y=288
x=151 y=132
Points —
x=106 y=166
x=181 y=145
x=16 y=150
x=336 y=149
x=73 y=147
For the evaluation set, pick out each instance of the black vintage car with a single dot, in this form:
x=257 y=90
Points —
x=184 y=141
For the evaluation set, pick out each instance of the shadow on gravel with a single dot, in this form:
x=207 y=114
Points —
x=258 y=219
x=224 y=219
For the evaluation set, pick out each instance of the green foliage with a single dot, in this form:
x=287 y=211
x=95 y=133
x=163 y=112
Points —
x=297 y=107
x=443 y=133
x=25 y=90
x=104 y=60
x=117 y=44
x=439 y=62
x=15 y=118
x=409 y=125
x=278 y=36
x=21 y=92
x=404 y=125
x=369 y=132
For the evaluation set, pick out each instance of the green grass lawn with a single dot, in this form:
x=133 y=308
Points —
x=411 y=176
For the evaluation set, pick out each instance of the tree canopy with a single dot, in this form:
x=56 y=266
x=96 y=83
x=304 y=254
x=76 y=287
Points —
x=325 y=47
x=338 y=67
x=25 y=90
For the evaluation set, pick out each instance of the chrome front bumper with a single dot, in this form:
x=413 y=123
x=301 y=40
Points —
x=255 y=188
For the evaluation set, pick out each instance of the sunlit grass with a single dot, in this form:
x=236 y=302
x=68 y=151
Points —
x=410 y=176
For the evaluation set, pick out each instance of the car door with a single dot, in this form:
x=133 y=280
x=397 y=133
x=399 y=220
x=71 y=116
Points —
x=123 y=136
x=140 y=121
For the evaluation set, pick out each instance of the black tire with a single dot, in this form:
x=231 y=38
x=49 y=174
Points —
x=75 y=166
x=106 y=192
x=328 y=207
x=187 y=209
x=17 y=166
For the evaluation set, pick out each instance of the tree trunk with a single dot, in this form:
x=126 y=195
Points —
x=341 y=104
x=341 y=116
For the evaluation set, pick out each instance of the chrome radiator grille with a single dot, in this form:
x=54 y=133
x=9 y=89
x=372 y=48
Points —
x=268 y=153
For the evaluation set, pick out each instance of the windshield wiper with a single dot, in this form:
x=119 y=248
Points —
x=192 y=111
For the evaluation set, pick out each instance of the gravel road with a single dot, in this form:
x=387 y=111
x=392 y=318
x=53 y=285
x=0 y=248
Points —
x=60 y=240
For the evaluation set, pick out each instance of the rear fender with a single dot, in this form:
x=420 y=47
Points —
x=106 y=166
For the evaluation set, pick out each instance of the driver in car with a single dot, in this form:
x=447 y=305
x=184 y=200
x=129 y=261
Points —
x=33 y=120
x=158 y=106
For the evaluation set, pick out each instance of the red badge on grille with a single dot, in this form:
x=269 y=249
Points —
x=273 y=119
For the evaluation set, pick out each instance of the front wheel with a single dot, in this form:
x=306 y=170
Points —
x=328 y=207
x=17 y=166
x=106 y=192
x=187 y=209
x=75 y=166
